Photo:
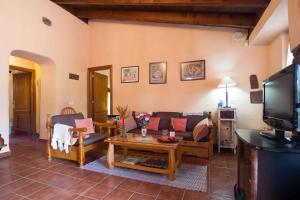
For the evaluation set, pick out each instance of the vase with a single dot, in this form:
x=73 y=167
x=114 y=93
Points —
x=144 y=131
x=123 y=131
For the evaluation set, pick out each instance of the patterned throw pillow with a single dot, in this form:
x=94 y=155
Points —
x=153 y=123
x=200 y=131
x=179 y=124
x=129 y=123
x=85 y=123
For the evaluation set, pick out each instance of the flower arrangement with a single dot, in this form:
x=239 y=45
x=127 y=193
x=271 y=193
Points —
x=143 y=119
x=123 y=112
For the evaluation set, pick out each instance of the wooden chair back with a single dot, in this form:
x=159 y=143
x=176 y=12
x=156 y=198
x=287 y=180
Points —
x=68 y=111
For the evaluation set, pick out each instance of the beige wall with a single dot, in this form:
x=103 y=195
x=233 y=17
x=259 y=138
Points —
x=129 y=44
x=279 y=48
x=294 y=22
x=59 y=50
x=24 y=63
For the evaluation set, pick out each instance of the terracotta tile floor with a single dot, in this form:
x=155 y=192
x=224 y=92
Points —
x=28 y=175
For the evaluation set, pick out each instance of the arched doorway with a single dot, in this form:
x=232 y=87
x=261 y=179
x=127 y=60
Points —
x=45 y=88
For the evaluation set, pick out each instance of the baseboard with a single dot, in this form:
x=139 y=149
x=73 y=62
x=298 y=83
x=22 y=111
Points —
x=4 y=155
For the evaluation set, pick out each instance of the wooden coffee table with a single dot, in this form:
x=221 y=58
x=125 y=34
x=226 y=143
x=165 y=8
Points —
x=136 y=141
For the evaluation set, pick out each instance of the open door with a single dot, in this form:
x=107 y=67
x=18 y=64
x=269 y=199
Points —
x=100 y=98
x=100 y=94
x=22 y=103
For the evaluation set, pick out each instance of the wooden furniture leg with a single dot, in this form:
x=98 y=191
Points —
x=81 y=150
x=172 y=164
x=110 y=156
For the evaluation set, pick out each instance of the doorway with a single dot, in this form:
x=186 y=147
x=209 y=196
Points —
x=22 y=101
x=100 y=98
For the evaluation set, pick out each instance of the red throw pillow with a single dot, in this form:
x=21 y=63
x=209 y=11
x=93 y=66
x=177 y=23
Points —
x=153 y=123
x=179 y=124
x=85 y=123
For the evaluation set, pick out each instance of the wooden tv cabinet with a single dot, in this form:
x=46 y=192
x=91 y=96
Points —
x=266 y=169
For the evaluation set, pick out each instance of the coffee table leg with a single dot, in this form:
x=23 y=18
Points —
x=110 y=156
x=172 y=164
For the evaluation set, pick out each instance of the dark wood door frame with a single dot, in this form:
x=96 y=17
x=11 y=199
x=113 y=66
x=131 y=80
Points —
x=89 y=87
x=32 y=94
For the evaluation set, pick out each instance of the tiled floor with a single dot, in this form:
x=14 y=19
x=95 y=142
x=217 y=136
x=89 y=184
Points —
x=28 y=175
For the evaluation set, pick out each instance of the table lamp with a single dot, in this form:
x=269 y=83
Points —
x=227 y=82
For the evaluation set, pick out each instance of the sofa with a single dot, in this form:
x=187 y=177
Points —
x=202 y=149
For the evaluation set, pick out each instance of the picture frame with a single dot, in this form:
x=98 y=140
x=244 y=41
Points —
x=158 y=73
x=192 y=70
x=130 y=74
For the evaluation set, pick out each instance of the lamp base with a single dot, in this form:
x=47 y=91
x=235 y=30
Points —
x=227 y=107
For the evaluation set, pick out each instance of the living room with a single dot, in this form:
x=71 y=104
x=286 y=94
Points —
x=68 y=45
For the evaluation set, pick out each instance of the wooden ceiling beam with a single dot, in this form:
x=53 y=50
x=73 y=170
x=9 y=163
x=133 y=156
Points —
x=218 y=3
x=205 y=19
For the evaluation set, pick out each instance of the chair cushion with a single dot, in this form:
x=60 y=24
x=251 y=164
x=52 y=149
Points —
x=165 y=118
x=94 y=138
x=66 y=119
x=85 y=123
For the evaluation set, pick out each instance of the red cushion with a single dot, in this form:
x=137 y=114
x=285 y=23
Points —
x=85 y=123
x=153 y=123
x=179 y=124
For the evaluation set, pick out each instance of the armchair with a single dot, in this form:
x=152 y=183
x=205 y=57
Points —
x=78 y=150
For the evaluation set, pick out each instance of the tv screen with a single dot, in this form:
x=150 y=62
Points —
x=280 y=92
x=279 y=97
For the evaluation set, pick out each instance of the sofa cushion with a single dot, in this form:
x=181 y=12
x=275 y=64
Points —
x=66 y=119
x=179 y=124
x=94 y=138
x=193 y=120
x=153 y=123
x=165 y=118
x=200 y=131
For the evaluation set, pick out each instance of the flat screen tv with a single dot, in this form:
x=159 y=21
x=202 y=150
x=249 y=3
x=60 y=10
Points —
x=281 y=100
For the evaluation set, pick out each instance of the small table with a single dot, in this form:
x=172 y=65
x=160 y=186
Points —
x=136 y=141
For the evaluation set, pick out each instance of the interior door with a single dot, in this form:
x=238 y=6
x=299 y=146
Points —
x=22 y=103
x=100 y=94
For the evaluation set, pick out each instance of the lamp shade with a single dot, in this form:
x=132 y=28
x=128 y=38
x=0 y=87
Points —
x=227 y=81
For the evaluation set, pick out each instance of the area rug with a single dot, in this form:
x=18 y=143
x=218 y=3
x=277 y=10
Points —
x=188 y=176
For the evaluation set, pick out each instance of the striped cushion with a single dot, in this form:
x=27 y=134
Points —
x=200 y=131
x=129 y=124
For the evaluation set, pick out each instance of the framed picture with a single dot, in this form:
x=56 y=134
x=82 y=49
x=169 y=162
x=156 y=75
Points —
x=193 y=70
x=130 y=74
x=158 y=72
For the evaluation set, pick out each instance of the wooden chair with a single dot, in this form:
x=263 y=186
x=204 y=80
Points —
x=78 y=150
x=68 y=111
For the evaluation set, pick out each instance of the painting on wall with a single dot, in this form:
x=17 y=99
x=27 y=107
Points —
x=158 y=72
x=192 y=70
x=130 y=74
